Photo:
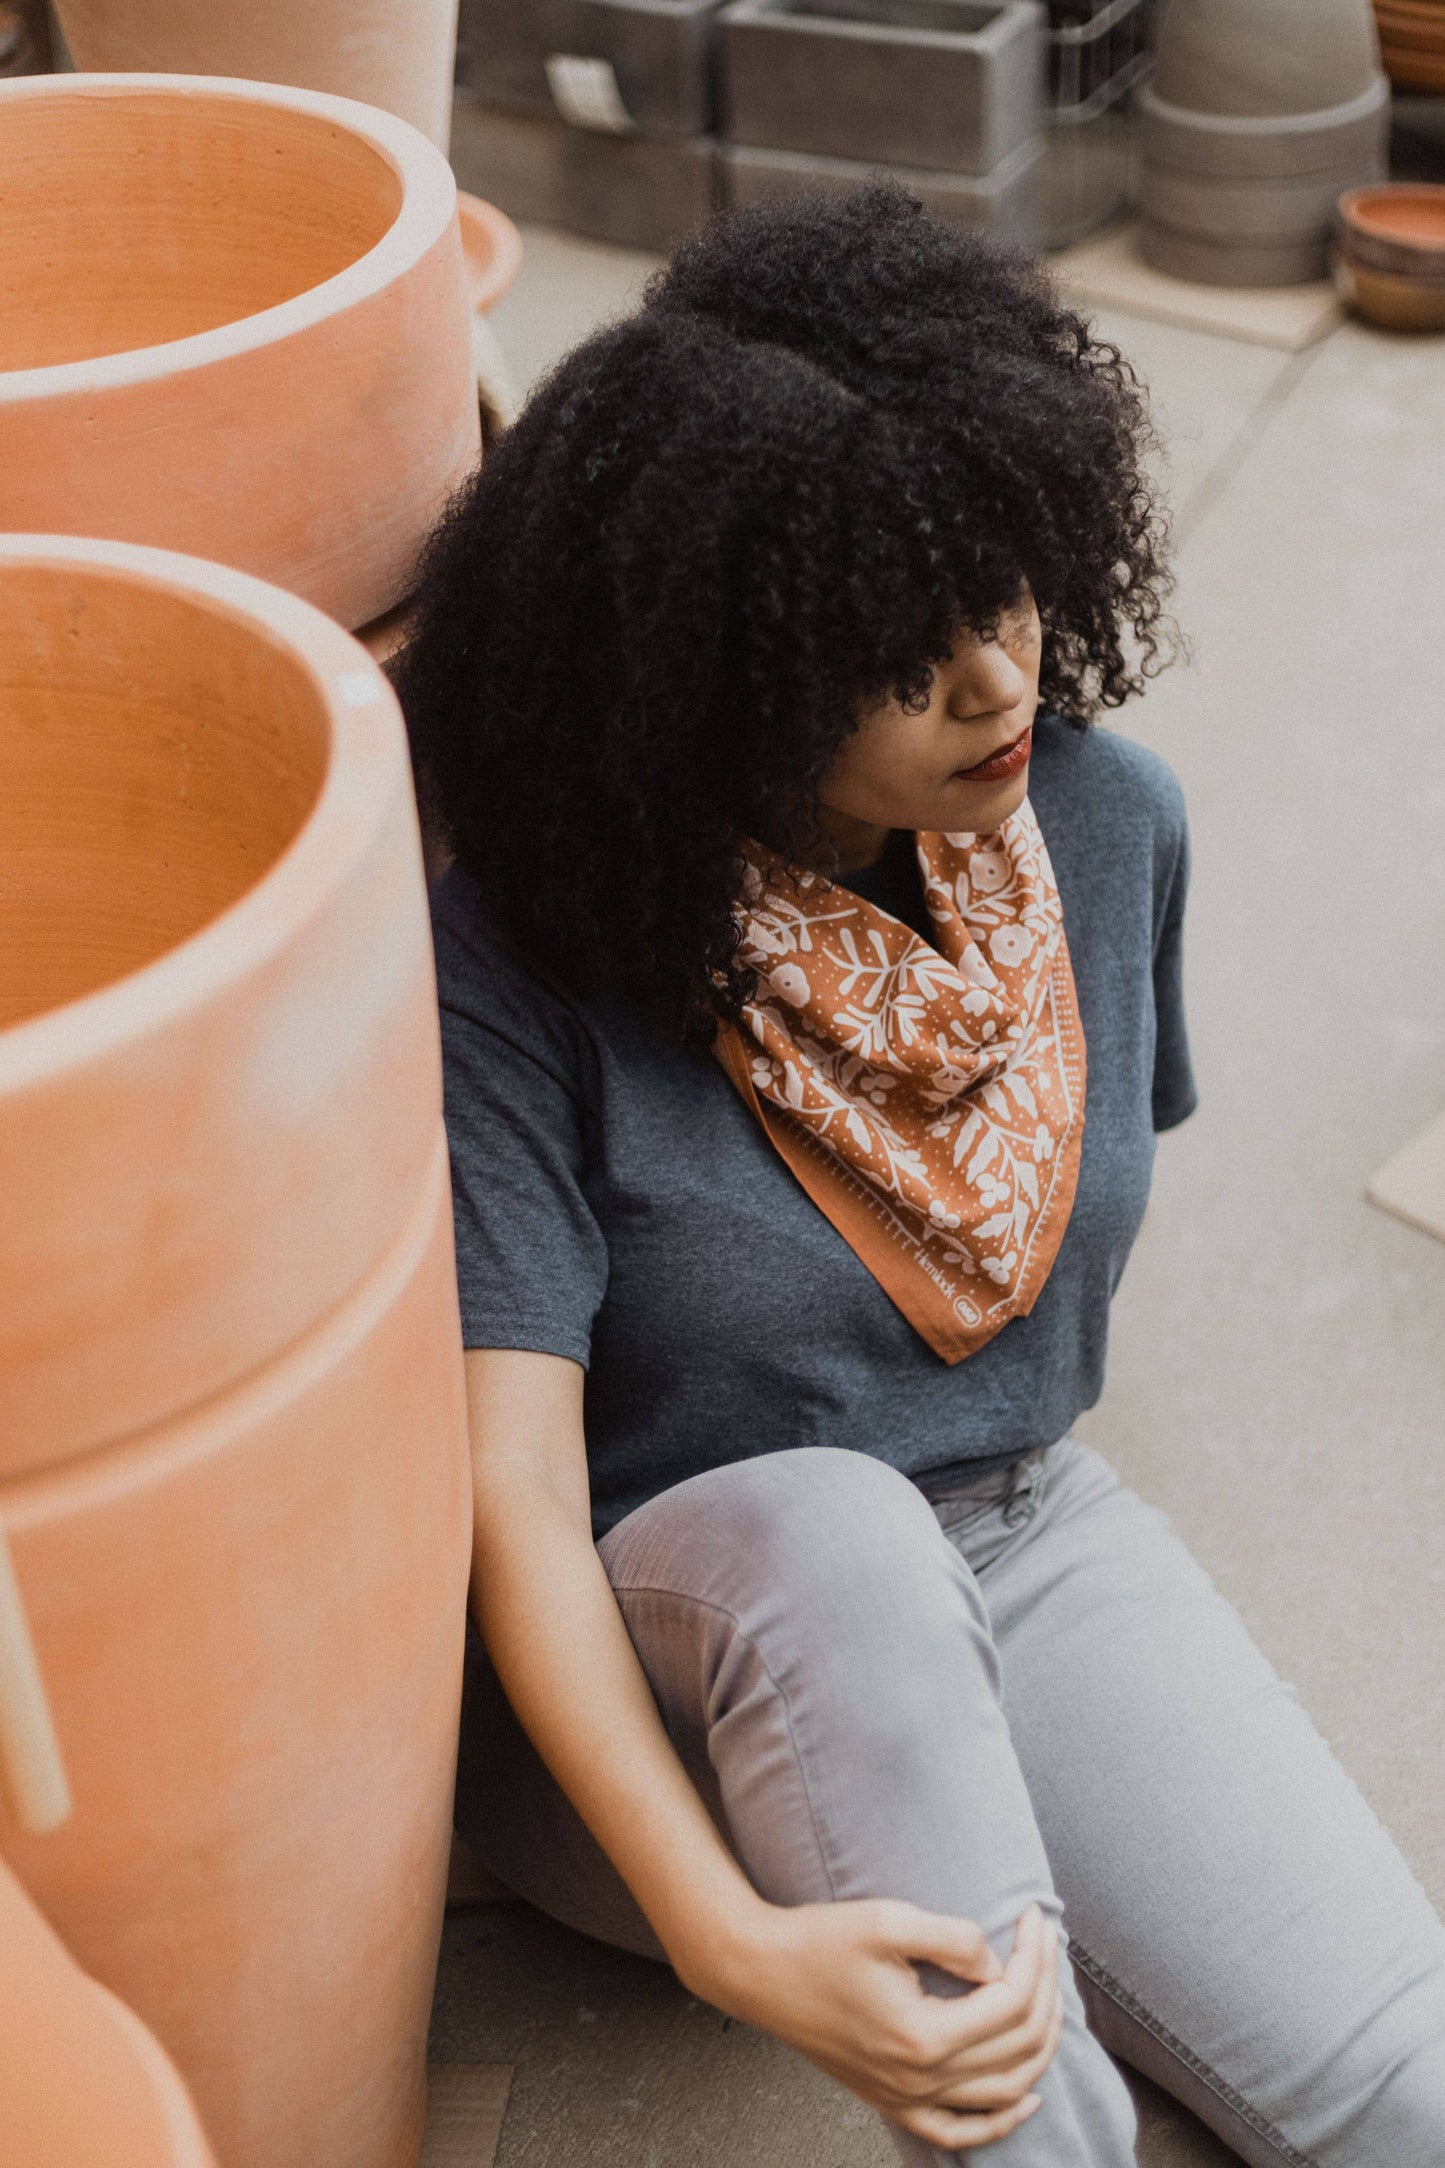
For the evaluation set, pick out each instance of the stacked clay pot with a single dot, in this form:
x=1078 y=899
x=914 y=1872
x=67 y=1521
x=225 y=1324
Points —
x=1412 y=43
x=237 y=324
x=1390 y=254
x=233 y=1469
x=82 y=2082
x=398 y=54
x=1258 y=114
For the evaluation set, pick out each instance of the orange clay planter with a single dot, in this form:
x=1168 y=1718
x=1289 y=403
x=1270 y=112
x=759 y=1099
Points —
x=82 y=2083
x=235 y=322
x=233 y=1471
x=398 y=54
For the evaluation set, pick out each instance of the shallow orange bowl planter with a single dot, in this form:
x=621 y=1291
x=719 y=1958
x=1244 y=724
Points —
x=1390 y=254
x=82 y=2083
x=236 y=323
x=233 y=1475
x=492 y=247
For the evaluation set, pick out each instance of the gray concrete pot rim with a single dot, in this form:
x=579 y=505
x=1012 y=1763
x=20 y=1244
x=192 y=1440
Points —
x=1263 y=124
x=769 y=15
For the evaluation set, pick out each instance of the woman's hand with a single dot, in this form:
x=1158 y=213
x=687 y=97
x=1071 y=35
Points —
x=838 y=1982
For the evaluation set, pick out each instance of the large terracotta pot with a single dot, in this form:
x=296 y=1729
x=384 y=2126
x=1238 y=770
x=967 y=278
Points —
x=82 y=2082
x=236 y=323
x=398 y=54
x=232 y=1440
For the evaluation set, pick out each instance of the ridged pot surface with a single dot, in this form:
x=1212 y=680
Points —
x=1257 y=57
x=397 y=54
x=220 y=1080
x=235 y=1486
x=236 y=325
x=82 y=2082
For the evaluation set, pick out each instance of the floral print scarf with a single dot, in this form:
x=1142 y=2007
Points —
x=929 y=1098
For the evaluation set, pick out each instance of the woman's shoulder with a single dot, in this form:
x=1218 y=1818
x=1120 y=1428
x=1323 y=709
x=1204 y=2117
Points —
x=1102 y=782
x=483 y=980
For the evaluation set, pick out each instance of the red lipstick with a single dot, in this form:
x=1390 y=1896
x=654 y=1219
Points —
x=1008 y=760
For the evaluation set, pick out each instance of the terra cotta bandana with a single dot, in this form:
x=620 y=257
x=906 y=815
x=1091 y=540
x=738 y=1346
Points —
x=929 y=1098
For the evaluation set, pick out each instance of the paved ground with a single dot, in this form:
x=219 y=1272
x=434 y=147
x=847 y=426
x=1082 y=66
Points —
x=1278 y=1370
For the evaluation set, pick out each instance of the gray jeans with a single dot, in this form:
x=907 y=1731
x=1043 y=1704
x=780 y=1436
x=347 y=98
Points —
x=1030 y=1691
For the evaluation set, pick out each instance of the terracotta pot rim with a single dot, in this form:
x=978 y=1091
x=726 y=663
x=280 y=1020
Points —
x=1411 y=256
x=365 y=768
x=1199 y=119
x=428 y=205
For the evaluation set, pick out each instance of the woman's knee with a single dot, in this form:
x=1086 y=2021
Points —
x=811 y=1517
x=826 y=1555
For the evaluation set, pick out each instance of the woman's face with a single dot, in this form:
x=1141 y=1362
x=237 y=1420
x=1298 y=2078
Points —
x=962 y=763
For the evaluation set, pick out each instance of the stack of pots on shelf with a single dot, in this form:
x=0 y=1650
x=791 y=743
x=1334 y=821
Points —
x=1259 y=113
x=397 y=54
x=593 y=114
x=237 y=325
x=1390 y=254
x=1412 y=43
x=84 y=2084
x=233 y=1463
x=946 y=95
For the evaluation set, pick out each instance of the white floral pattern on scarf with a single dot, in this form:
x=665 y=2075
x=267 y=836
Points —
x=942 y=1085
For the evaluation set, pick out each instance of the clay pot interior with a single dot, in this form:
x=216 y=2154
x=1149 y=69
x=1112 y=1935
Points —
x=156 y=759
x=1411 y=216
x=131 y=221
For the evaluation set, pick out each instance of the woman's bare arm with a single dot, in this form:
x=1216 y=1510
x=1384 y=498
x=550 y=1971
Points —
x=837 y=1981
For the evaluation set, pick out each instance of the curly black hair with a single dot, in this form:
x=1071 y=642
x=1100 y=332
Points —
x=836 y=433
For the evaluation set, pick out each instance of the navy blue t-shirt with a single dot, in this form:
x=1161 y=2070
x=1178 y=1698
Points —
x=617 y=1203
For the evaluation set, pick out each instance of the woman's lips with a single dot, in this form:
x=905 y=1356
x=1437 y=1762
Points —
x=1007 y=761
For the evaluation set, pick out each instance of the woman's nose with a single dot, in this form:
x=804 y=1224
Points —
x=990 y=681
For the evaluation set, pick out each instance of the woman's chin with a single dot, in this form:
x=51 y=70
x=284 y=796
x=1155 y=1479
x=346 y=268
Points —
x=978 y=808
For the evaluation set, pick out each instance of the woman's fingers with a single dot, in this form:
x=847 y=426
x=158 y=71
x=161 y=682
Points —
x=991 y=2090
x=961 y=2133
x=1014 y=2044
x=956 y=1946
x=1009 y=2016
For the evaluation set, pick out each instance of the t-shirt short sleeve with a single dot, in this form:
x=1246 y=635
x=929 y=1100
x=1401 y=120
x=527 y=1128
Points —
x=531 y=1257
x=1175 y=1096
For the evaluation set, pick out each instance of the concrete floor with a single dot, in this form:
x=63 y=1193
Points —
x=1277 y=1377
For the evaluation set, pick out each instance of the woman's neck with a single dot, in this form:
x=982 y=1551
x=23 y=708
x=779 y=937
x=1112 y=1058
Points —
x=859 y=844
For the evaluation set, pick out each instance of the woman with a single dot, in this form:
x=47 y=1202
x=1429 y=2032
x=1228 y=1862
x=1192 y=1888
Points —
x=810 y=984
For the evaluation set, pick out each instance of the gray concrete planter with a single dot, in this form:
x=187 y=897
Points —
x=637 y=191
x=1286 y=146
x=1260 y=59
x=1004 y=201
x=1208 y=262
x=659 y=53
x=1243 y=211
x=1259 y=114
x=949 y=86
x=511 y=159
x=502 y=48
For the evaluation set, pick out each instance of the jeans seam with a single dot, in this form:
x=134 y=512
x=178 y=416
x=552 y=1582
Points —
x=719 y=1610
x=1236 y=2102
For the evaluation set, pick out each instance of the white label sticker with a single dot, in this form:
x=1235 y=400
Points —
x=585 y=92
